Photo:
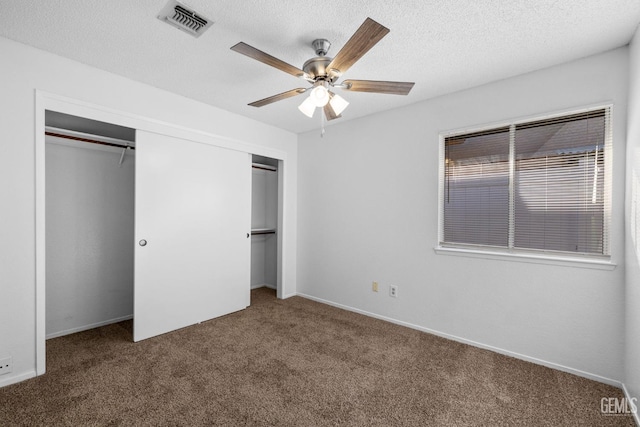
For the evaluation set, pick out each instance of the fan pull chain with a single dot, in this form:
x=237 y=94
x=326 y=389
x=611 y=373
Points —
x=321 y=123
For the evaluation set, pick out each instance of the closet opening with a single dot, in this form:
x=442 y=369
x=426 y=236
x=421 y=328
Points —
x=89 y=223
x=265 y=218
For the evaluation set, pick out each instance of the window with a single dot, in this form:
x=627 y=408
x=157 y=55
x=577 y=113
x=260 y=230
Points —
x=537 y=186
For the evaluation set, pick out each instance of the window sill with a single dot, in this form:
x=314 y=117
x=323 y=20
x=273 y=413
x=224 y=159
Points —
x=568 y=261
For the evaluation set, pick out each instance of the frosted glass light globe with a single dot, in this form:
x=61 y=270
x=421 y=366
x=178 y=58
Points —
x=320 y=96
x=338 y=104
x=308 y=107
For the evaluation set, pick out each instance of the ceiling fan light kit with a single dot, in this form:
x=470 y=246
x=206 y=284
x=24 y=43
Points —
x=337 y=103
x=323 y=72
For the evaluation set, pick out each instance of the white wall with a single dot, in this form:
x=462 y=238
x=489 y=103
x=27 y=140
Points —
x=89 y=236
x=26 y=70
x=368 y=210
x=632 y=341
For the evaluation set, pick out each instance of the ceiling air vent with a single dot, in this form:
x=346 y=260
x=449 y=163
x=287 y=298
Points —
x=184 y=18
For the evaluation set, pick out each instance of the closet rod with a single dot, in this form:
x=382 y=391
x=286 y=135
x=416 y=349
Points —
x=263 y=167
x=257 y=232
x=92 y=141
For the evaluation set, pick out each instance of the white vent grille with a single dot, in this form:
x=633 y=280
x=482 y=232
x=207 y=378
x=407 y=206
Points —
x=184 y=18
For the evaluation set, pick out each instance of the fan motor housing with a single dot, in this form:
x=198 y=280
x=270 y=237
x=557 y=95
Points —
x=317 y=67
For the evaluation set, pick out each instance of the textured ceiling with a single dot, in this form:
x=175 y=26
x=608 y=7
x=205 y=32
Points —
x=442 y=45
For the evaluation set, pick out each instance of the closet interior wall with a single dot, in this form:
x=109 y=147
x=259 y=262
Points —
x=89 y=228
x=264 y=219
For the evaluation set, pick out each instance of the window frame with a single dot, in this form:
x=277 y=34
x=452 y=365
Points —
x=597 y=261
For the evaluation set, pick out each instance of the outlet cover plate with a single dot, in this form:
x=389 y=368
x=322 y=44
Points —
x=5 y=365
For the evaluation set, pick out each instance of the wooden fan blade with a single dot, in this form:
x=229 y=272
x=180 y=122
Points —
x=393 y=88
x=365 y=37
x=265 y=58
x=278 y=97
x=329 y=113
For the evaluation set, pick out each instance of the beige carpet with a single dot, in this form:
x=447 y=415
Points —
x=294 y=363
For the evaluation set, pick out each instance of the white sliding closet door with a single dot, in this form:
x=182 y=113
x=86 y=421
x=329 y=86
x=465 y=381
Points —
x=193 y=210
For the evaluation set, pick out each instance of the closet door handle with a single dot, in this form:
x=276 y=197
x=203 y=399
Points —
x=248 y=235
x=142 y=242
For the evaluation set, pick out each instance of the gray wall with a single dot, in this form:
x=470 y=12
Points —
x=373 y=215
x=89 y=240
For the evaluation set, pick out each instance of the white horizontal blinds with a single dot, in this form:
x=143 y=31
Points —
x=476 y=188
x=559 y=184
x=549 y=189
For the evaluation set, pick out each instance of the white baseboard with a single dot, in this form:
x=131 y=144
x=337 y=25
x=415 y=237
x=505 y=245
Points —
x=17 y=378
x=535 y=360
x=87 y=327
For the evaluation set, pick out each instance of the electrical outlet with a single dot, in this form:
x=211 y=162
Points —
x=374 y=286
x=393 y=291
x=5 y=365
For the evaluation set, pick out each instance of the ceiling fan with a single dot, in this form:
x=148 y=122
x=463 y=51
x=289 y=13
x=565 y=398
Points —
x=323 y=72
